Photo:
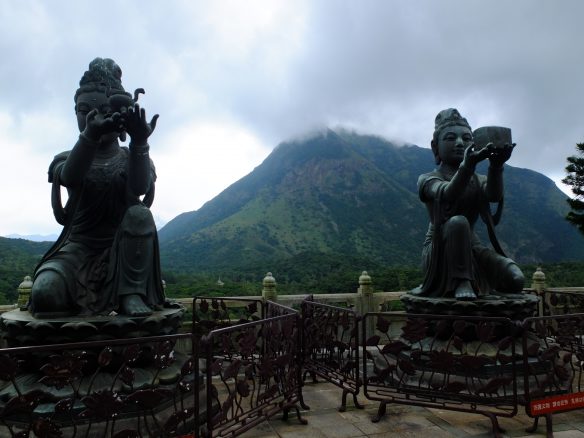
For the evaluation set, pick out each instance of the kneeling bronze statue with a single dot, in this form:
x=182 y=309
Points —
x=106 y=258
x=455 y=262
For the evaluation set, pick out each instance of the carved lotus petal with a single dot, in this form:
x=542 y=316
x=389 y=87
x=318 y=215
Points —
x=119 y=325
x=80 y=327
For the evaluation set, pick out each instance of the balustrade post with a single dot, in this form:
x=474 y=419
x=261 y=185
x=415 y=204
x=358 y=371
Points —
x=538 y=286
x=269 y=288
x=24 y=290
x=366 y=302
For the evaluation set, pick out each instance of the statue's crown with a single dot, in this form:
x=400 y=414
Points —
x=103 y=71
x=449 y=117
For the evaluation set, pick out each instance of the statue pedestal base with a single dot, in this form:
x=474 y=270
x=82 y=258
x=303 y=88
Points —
x=129 y=382
x=512 y=306
x=19 y=328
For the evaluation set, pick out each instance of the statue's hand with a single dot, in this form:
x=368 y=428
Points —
x=98 y=124
x=137 y=126
x=500 y=155
x=472 y=156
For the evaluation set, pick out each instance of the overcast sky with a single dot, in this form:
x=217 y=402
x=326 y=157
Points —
x=232 y=79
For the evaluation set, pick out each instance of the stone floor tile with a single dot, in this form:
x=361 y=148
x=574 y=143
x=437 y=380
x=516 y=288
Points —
x=430 y=432
x=262 y=430
x=569 y=434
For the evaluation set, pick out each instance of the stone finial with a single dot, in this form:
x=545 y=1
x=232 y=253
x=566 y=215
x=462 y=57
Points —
x=269 y=290
x=538 y=280
x=364 y=279
x=24 y=290
x=365 y=284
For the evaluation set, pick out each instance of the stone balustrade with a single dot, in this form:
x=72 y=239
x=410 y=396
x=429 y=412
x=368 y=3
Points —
x=363 y=300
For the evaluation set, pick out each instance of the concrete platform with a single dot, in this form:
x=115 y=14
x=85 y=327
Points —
x=324 y=421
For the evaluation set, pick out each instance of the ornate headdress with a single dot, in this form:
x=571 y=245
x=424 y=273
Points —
x=103 y=75
x=444 y=119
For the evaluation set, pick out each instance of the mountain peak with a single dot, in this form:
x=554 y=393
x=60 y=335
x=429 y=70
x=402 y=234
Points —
x=339 y=192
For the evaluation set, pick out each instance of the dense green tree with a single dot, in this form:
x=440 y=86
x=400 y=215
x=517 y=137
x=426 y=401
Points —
x=575 y=179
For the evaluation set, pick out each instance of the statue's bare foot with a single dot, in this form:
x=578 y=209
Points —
x=464 y=291
x=134 y=306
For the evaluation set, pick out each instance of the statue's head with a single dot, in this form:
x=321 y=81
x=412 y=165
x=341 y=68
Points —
x=101 y=88
x=448 y=118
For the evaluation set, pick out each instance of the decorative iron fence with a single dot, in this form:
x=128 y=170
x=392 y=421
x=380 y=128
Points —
x=125 y=388
x=465 y=364
x=330 y=347
x=210 y=313
x=553 y=365
x=252 y=372
x=244 y=359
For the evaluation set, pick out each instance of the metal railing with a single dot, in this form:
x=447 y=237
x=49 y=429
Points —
x=459 y=363
x=330 y=347
x=252 y=372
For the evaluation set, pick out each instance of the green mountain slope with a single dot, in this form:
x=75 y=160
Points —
x=349 y=195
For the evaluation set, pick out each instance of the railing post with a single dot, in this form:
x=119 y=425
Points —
x=269 y=292
x=24 y=290
x=538 y=286
x=366 y=303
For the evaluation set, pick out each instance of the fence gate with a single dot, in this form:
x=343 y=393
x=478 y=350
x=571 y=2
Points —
x=330 y=346
x=252 y=372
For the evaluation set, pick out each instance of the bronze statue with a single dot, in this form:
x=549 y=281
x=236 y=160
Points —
x=106 y=258
x=456 y=264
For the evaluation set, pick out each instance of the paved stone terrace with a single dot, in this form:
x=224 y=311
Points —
x=324 y=421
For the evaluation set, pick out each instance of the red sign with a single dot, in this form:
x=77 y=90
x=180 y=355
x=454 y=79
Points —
x=558 y=403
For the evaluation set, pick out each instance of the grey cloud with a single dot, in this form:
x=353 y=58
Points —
x=513 y=63
x=383 y=67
